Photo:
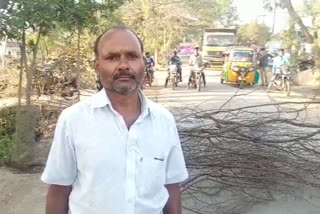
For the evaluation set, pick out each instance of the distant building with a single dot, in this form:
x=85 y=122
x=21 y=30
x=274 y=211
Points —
x=10 y=50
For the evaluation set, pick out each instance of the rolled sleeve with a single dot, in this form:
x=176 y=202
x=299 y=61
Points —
x=176 y=171
x=61 y=166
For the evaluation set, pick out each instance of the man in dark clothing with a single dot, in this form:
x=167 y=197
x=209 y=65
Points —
x=263 y=58
x=175 y=60
x=149 y=64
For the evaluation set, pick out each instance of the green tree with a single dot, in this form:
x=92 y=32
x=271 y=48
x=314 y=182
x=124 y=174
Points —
x=287 y=4
x=28 y=21
x=313 y=9
x=253 y=33
x=79 y=15
x=163 y=24
x=213 y=12
x=34 y=16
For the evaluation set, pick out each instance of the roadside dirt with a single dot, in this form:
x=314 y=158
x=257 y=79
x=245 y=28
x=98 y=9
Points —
x=21 y=193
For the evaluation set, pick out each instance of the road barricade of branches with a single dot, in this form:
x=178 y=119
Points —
x=238 y=158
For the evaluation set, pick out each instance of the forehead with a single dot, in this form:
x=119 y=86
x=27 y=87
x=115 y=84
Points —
x=118 y=41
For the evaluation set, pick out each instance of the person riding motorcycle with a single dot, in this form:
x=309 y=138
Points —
x=197 y=63
x=149 y=62
x=175 y=60
x=280 y=63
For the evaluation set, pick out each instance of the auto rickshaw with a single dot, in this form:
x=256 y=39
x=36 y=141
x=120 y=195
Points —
x=239 y=66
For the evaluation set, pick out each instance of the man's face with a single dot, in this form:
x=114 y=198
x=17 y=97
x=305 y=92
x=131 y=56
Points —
x=120 y=62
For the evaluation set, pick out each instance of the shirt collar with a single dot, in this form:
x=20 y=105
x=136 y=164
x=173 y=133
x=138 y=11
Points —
x=101 y=100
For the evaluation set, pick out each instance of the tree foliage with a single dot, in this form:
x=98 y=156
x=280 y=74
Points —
x=253 y=33
x=163 y=24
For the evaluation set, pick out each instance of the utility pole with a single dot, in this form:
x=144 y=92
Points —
x=274 y=17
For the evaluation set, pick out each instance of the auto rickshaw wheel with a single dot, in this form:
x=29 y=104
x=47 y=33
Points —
x=221 y=80
x=241 y=84
x=166 y=82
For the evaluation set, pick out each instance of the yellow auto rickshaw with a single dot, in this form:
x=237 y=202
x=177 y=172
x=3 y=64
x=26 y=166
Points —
x=240 y=66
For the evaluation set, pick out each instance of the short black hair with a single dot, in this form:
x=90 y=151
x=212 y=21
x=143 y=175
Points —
x=262 y=49
x=120 y=27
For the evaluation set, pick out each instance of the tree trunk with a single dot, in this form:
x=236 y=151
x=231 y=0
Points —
x=32 y=70
x=23 y=64
x=156 y=57
x=78 y=64
x=296 y=17
x=4 y=52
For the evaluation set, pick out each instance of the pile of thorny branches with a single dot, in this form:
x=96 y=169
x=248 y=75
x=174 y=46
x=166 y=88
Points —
x=241 y=157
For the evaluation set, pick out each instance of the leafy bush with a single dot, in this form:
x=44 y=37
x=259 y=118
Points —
x=7 y=131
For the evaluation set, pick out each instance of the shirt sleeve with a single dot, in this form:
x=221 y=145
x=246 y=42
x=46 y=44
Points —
x=176 y=170
x=61 y=166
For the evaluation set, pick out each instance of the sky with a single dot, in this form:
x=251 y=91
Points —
x=250 y=10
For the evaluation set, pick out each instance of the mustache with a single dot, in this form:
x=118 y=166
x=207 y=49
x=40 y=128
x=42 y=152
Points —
x=121 y=74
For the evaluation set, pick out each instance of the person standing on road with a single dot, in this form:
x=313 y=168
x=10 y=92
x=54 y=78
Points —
x=264 y=58
x=116 y=152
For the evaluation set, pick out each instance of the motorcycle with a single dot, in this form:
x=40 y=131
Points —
x=148 y=77
x=196 y=78
x=48 y=83
x=306 y=64
x=99 y=85
x=3 y=84
x=173 y=77
x=69 y=86
x=281 y=79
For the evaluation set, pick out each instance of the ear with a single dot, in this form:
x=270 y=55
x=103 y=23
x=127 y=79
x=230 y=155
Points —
x=96 y=65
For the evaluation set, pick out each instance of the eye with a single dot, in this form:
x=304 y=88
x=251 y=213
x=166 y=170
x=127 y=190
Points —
x=112 y=58
x=133 y=56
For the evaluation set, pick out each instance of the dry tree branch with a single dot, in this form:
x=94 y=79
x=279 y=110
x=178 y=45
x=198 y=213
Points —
x=244 y=156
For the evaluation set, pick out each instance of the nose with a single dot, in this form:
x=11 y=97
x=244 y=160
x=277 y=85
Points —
x=123 y=64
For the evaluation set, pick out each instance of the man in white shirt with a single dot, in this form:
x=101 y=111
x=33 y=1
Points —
x=116 y=152
x=196 y=63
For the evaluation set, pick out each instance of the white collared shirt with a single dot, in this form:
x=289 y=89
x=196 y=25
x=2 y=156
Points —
x=114 y=170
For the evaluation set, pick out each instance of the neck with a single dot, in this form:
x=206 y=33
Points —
x=124 y=101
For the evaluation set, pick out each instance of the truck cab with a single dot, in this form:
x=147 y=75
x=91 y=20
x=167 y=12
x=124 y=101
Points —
x=215 y=43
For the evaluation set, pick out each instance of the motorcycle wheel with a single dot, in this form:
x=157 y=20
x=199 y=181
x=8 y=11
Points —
x=287 y=87
x=166 y=83
x=150 y=76
x=198 y=83
x=241 y=84
x=173 y=84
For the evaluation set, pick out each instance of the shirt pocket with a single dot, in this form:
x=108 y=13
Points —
x=151 y=175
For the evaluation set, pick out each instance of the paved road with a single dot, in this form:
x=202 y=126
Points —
x=216 y=94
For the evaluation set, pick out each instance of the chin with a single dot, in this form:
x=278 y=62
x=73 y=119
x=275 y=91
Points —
x=125 y=89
